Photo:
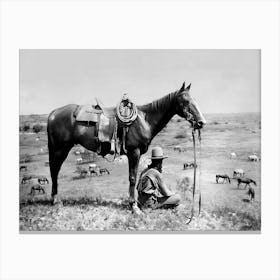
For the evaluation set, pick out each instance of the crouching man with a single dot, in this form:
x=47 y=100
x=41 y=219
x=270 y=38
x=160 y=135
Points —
x=152 y=192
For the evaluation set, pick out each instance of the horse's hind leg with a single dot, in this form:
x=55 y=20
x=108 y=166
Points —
x=56 y=158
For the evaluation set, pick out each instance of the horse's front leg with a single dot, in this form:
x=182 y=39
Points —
x=133 y=161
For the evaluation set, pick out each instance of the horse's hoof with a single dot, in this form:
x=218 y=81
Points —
x=56 y=201
x=136 y=210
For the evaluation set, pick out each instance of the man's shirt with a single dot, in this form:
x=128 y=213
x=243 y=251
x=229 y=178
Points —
x=150 y=182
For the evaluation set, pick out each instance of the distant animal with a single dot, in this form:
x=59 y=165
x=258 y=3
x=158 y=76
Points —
x=121 y=159
x=188 y=165
x=92 y=165
x=179 y=149
x=43 y=180
x=82 y=172
x=64 y=130
x=232 y=155
x=251 y=193
x=225 y=178
x=237 y=173
x=35 y=188
x=23 y=167
x=103 y=171
x=253 y=158
x=26 y=178
x=246 y=181
x=95 y=171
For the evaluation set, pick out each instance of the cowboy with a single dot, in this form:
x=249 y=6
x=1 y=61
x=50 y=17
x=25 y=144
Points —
x=152 y=191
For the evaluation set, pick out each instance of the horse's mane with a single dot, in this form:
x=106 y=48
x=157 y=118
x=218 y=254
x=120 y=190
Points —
x=159 y=104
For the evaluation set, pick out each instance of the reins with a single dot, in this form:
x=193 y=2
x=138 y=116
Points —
x=194 y=174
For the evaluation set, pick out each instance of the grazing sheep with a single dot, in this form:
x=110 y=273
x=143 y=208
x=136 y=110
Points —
x=43 y=180
x=232 y=155
x=121 y=160
x=237 y=173
x=253 y=158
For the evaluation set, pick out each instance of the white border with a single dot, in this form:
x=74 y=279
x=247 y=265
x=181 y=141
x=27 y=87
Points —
x=201 y=24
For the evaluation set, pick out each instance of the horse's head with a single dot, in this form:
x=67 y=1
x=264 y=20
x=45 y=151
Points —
x=187 y=108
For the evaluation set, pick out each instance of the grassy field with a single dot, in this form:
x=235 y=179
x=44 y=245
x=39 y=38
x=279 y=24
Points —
x=100 y=203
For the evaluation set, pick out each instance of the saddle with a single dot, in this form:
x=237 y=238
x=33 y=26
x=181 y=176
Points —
x=107 y=120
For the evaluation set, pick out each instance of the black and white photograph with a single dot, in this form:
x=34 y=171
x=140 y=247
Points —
x=140 y=140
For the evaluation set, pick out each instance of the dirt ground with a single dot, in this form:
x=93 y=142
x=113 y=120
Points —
x=100 y=203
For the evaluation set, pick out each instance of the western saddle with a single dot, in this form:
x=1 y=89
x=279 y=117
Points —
x=107 y=120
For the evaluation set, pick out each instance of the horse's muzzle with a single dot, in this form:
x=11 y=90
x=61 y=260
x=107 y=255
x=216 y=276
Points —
x=198 y=124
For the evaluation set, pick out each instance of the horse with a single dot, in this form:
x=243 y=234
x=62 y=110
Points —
x=64 y=132
x=26 y=178
x=251 y=193
x=225 y=178
x=246 y=181
x=237 y=173
x=35 y=188
x=187 y=165
x=23 y=167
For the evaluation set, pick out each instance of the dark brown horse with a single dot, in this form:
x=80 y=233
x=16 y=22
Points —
x=245 y=181
x=64 y=131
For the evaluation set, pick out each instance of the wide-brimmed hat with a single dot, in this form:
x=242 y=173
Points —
x=157 y=153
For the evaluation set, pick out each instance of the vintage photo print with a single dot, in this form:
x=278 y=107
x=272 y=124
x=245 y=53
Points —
x=139 y=140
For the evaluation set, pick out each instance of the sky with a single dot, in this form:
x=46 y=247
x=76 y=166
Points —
x=223 y=81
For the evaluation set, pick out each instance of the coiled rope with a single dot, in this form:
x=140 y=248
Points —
x=125 y=120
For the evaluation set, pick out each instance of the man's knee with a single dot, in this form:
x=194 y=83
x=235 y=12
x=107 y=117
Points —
x=176 y=199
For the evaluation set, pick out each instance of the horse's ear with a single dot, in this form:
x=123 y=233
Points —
x=182 y=88
x=188 y=87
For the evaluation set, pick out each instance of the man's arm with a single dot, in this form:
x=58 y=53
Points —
x=164 y=189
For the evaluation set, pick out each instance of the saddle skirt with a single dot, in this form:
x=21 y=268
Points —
x=87 y=113
x=102 y=118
